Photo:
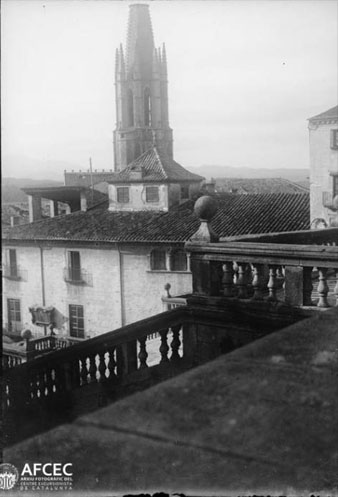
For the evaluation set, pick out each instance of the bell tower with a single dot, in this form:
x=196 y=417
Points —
x=141 y=87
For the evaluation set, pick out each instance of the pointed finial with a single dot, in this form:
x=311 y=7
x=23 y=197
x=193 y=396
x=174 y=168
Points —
x=164 y=60
x=154 y=137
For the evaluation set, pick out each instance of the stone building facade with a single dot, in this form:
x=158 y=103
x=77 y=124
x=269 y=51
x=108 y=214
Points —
x=323 y=131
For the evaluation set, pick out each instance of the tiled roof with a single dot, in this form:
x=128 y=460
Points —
x=156 y=166
x=328 y=114
x=237 y=215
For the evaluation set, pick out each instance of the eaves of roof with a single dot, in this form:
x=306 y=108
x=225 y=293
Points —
x=236 y=215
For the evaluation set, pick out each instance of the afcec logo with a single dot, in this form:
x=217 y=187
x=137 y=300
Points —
x=9 y=476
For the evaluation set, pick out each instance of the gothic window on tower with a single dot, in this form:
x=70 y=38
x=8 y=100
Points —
x=130 y=108
x=152 y=194
x=158 y=260
x=147 y=107
x=122 y=194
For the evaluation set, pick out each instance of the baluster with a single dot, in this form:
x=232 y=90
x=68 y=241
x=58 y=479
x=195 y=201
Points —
x=112 y=364
x=84 y=371
x=175 y=344
x=323 y=288
x=46 y=383
x=335 y=290
x=49 y=381
x=143 y=353
x=241 y=282
x=272 y=284
x=102 y=366
x=307 y=285
x=164 y=346
x=92 y=368
x=53 y=380
x=228 y=279
x=5 y=362
x=258 y=281
x=37 y=385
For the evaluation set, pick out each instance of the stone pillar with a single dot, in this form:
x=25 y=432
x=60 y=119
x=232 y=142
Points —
x=297 y=285
x=34 y=206
x=53 y=208
x=206 y=275
x=83 y=201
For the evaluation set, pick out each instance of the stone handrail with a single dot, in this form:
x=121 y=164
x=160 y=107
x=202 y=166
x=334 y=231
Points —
x=100 y=368
x=12 y=356
x=327 y=236
x=242 y=269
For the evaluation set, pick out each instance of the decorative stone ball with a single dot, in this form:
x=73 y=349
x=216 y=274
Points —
x=205 y=208
x=335 y=202
x=26 y=334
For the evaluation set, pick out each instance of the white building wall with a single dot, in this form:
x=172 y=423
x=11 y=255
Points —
x=143 y=289
x=323 y=161
x=137 y=198
x=105 y=306
x=100 y=298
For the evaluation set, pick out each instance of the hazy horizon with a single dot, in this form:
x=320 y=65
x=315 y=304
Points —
x=244 y=77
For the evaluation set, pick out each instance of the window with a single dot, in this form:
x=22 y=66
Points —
x=334 y=139
x=123 y=194
x=74 y=266
x=184 y=192
x=130 y=108
x=158 y=260
x=76 y=321
x=13 y=267
x=335 y=185
x=152 y=194
x=147 y=107
x=14 y=315
x=178 y=260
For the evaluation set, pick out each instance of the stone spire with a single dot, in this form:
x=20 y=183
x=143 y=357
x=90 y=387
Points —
x=141 y=93
x=140 y=42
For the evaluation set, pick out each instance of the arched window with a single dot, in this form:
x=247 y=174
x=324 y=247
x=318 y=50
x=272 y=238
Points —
x=130 y=108
x=178 y=260
x=158 y=259
x=147 y=107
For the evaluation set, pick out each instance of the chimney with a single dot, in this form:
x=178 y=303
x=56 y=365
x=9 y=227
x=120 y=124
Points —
x=210 y=187
x=83 y=201
x=34 y=207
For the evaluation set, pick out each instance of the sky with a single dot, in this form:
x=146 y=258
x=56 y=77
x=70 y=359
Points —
x=244 y=77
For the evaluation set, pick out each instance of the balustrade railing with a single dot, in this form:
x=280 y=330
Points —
x=12 y=355
x=327 y=236
x=300 y=275
x=77 y=276
x=106 y=365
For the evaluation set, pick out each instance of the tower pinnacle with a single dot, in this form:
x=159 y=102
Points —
x=141 y=92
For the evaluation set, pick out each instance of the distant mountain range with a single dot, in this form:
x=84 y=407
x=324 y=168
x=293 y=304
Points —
x=215 y=171
x=11 y=188
x=12 y=193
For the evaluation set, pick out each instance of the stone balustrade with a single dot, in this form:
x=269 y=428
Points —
x=95 y=371
x=276 y=266
x=295 y=274
x=14 y=354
